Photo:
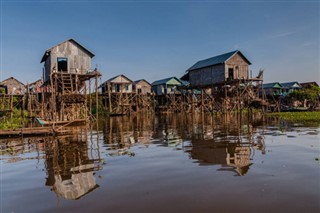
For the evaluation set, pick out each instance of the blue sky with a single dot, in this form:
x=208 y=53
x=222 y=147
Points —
x=159 y=39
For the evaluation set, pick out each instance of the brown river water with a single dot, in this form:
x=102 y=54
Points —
x=168 y=163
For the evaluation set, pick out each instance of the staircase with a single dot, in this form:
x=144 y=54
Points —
x=67 y=83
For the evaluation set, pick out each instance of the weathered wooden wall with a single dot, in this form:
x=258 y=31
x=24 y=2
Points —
x=143 y=87
x=78 y=59
x=239 y=65
x=220 y=72
x=207 y=75
x=14 y=87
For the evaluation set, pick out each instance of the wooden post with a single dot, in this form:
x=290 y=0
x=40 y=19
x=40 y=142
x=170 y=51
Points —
x=85 y=102
x=97 y=104
x=202 y=103
x=11 y=109
x=192 y=102
x=90 y=97
x=109 y=97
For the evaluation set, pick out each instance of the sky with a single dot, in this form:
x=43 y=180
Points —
x=157 y=39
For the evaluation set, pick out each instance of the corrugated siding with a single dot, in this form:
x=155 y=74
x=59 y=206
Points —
x=121 y=79
x=207 y=75
x=78 y=60
x=239 y=65
x=144 y=86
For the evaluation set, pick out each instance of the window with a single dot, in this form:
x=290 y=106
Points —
x=118 y=88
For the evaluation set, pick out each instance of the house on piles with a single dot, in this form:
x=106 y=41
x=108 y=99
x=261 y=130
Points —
x=117 y=84
x=142 y=87
x=67 y=57
x=272 y=89
x=35 y=87
x=289 y=87
x=218 y=69
x=12 y=86
x=67 y=67
x=166 y=86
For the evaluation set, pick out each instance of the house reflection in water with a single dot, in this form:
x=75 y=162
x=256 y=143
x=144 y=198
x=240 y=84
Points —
x=219 y=140
x=230 y=145
x=121 y=133
x=70 y=170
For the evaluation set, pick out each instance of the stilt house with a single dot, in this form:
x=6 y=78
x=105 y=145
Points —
x=67 y=67
x=13 y=86
x=289 y=87
x=226 y=67
x=142 y=86
x=165 y=86
x=117 y=84
x=67 y=57
x=271 y=89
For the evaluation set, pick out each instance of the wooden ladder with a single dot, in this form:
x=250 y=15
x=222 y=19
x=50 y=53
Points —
x=67 y=83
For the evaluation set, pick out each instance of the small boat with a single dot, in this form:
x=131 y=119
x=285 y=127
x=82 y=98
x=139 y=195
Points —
x=47 y=123
x=296 y=109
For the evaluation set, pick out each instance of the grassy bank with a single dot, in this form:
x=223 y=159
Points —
x=303 y=117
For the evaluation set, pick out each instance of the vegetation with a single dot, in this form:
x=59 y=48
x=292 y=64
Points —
x=303 y=117
x=312 y=94
x=17 y=119
x=2 y=90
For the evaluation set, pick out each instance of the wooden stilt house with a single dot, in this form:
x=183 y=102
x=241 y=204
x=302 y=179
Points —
x=67 y=67
x=118 y=95
x=226 y=67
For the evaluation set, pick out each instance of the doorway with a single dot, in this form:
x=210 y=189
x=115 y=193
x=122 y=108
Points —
x=62 y=64
x=230 y=74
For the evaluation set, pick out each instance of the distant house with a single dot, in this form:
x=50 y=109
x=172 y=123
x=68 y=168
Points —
x=307 y=85
x=68 y=57
x=165 y=86
x=274 y=88
x=142 y=86
x=289 y=87
x=117 y=84
x=35 y=87
x=225 y=67
x=13 y=86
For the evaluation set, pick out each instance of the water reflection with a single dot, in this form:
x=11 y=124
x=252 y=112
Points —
x=70 y=167
x=18 y=149
x=120 y=133
x=229 y=141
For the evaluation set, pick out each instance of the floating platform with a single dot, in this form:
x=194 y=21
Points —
x=35 y=131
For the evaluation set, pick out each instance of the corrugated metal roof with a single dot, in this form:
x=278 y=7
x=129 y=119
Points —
x=290 y=84
x=111 y=79
x=46 y=54
x=270 y=85
x=164 y=81
x=137 y=81
x=123 y=76
x=216 y=60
